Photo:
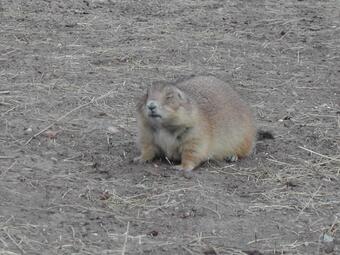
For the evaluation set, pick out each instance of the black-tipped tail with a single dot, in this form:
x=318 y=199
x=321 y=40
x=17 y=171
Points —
x=263 y=135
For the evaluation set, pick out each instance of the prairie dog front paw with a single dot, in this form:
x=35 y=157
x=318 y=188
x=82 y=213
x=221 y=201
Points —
x=183 y=168
x=187 y=172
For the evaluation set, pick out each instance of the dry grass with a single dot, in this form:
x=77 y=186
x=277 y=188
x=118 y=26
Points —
x=73 y=70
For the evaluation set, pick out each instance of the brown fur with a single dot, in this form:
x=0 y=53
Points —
x=195 y=120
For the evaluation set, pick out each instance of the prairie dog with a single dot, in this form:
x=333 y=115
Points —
x=192 y=121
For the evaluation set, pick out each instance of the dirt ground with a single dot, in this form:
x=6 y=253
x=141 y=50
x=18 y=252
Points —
x=69 y=75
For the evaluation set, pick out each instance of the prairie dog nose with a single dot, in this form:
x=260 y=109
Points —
x=152 y=105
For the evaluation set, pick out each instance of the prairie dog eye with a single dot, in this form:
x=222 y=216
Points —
x=148 y=91
x=169 y=96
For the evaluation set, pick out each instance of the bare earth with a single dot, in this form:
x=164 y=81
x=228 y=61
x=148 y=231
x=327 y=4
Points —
x=69 y=74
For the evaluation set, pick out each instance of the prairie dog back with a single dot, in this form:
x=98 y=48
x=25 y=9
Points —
x=229 y=117
x=194 y=120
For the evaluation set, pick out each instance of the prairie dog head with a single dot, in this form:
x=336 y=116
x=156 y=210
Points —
x=165 y=105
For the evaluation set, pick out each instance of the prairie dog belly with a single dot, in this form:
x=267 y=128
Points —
x=168 y=143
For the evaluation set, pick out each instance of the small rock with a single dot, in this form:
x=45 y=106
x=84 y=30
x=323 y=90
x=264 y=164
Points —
x=186 y=215
x=112 y=130
x=327 y=238
x=153 y=233
x=51 y=134
x=188 y=174
x=291 y=183
x=210 y=251
x=328 y=243
x=105 y=195
x=28 y=130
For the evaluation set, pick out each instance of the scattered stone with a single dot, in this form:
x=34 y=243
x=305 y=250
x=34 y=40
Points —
x=328 y=243
x=28 y=130
x=153 y=233
x=51 y=134
x=210 y=251
x=105 y=195
x=112 y=130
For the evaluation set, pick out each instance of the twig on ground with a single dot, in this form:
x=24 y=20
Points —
x=14 y=242
x=215 y=211
x=321 y=155
x=66 y=114
x=8 y=252
x=7 y=157
x=3 y=114
x=309 y=201
x=126 y=238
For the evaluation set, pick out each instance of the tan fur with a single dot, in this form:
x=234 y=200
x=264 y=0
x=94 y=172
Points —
x=198 y=119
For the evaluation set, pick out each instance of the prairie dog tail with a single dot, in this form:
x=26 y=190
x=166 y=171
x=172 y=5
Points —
x=263 y=135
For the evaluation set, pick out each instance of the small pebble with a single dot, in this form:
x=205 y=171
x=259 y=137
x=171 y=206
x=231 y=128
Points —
x=112 y=130
x=28 y=130
x=188 y=174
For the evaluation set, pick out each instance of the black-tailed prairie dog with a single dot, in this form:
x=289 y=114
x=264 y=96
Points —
x=192 y=121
